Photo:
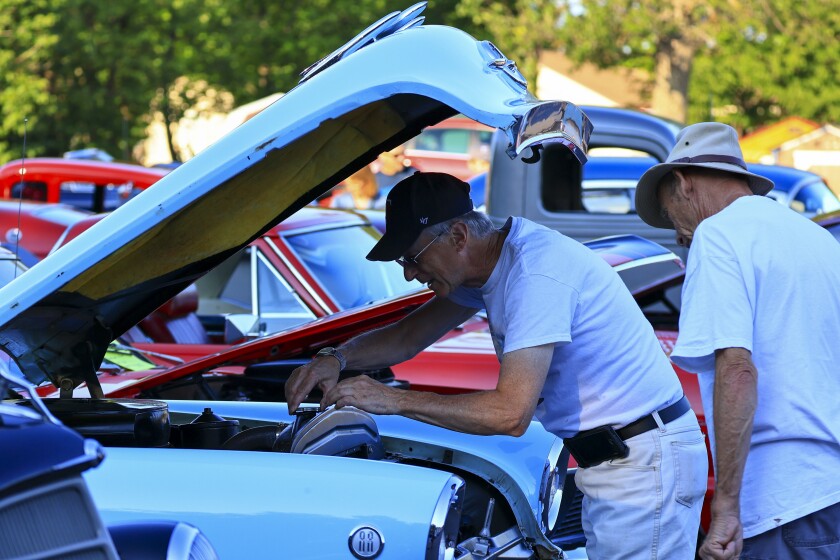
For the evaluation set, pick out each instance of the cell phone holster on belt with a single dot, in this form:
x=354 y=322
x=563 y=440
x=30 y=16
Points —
x=593 y=447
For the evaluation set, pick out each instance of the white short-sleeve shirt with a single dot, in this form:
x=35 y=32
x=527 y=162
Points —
x=762 y=277
x=608 y=368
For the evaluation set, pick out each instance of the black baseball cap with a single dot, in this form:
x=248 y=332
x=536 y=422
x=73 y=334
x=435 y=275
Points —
x=415 y=203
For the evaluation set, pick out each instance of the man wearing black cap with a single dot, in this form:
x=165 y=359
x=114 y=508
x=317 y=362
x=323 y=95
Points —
x=575 y=350
x=759 y=324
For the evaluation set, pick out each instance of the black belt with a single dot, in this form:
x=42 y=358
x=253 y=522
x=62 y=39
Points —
x=593 y=447
x=647 y=423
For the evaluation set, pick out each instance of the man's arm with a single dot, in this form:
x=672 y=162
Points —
x=735 y=399
x=381 y=347
x=507 y=409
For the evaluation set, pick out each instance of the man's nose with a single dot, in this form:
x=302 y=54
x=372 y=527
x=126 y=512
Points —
x=409 y=272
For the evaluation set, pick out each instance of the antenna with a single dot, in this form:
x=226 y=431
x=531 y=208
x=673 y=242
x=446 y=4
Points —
x=22 y=174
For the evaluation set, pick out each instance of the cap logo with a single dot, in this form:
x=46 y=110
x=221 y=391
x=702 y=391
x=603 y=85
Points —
x=425 y=220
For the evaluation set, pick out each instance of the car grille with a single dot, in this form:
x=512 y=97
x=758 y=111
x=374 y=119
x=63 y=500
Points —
x=568 y=533
x=56 y=520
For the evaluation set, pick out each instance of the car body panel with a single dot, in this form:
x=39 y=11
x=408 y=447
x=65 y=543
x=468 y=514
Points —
x=85 y=184
x=36 y=227
x=277 y=516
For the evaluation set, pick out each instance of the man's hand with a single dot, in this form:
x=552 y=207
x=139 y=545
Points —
x=364 y=393
x=321 y=371
x=725 y=539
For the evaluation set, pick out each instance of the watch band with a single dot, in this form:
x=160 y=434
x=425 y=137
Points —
x=335 y=353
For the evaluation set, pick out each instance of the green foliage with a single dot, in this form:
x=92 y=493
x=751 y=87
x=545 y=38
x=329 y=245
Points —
x=522 y=29
x=753 y=61
x=782 y=61
x=92 y=73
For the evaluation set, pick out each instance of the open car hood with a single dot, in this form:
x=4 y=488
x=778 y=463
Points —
x=58 y=318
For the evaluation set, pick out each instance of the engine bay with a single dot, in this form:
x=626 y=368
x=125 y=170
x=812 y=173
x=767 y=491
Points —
x=487 y=526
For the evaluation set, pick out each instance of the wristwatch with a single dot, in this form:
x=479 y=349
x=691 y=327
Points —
x=335 y=353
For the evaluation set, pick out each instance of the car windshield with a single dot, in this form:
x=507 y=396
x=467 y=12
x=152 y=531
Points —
x=336 y=257
x=815 y=198
x=84 y=195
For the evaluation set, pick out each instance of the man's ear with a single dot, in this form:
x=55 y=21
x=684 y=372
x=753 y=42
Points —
x=685 y=186
x=459 y=233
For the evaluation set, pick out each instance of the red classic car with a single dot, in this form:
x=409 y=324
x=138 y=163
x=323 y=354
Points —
x=467 y=353
x=86 y=184
x=32 y=229
x=457 y=145
x=309 y=266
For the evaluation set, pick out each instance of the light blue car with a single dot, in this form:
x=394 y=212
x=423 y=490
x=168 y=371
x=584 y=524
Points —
x=258 y=482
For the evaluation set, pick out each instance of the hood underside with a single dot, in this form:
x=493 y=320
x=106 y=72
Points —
x=57 y=319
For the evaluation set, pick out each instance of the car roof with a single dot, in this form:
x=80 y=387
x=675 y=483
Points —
x=784 y=178
x=619 y=127
x=100 y=172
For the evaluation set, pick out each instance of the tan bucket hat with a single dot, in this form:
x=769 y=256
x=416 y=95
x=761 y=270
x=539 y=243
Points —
x=710 y=145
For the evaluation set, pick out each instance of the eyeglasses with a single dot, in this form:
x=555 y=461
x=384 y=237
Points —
x=412 y=261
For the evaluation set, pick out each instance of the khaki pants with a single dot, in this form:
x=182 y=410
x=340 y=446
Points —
x=647 y=505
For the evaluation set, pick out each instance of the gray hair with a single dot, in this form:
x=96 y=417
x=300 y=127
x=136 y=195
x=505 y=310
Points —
x=478 y=224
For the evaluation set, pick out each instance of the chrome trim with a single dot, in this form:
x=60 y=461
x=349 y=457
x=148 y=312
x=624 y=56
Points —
x=447 y=497
x=13 y=380
x=366 y=528
x=553 y=122
x=301 y=279
x=647 y=260
x=252 y=266
x=180 y=541
x=388 y=25
x=551 y=485
x=93 y=454
x=255 y=292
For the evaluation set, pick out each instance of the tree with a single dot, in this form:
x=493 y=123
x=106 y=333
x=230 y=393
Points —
x=86 y=71
x=92 y=73
x=26 y=28
x=749 y=61
x=662 y=36
x=782 y=61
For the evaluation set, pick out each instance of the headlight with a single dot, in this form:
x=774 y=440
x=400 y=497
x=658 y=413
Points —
x=161 y=539
x=443 y=532
x=551 y=487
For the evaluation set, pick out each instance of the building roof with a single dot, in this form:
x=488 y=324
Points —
x=763 y=141
x=616 y=87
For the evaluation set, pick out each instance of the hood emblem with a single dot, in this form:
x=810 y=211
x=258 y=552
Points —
x=366 y=542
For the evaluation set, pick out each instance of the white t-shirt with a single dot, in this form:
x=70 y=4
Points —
x=762 y=277
x=608 y=367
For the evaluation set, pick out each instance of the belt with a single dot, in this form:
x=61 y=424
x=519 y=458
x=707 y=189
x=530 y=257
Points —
x=647 y=423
